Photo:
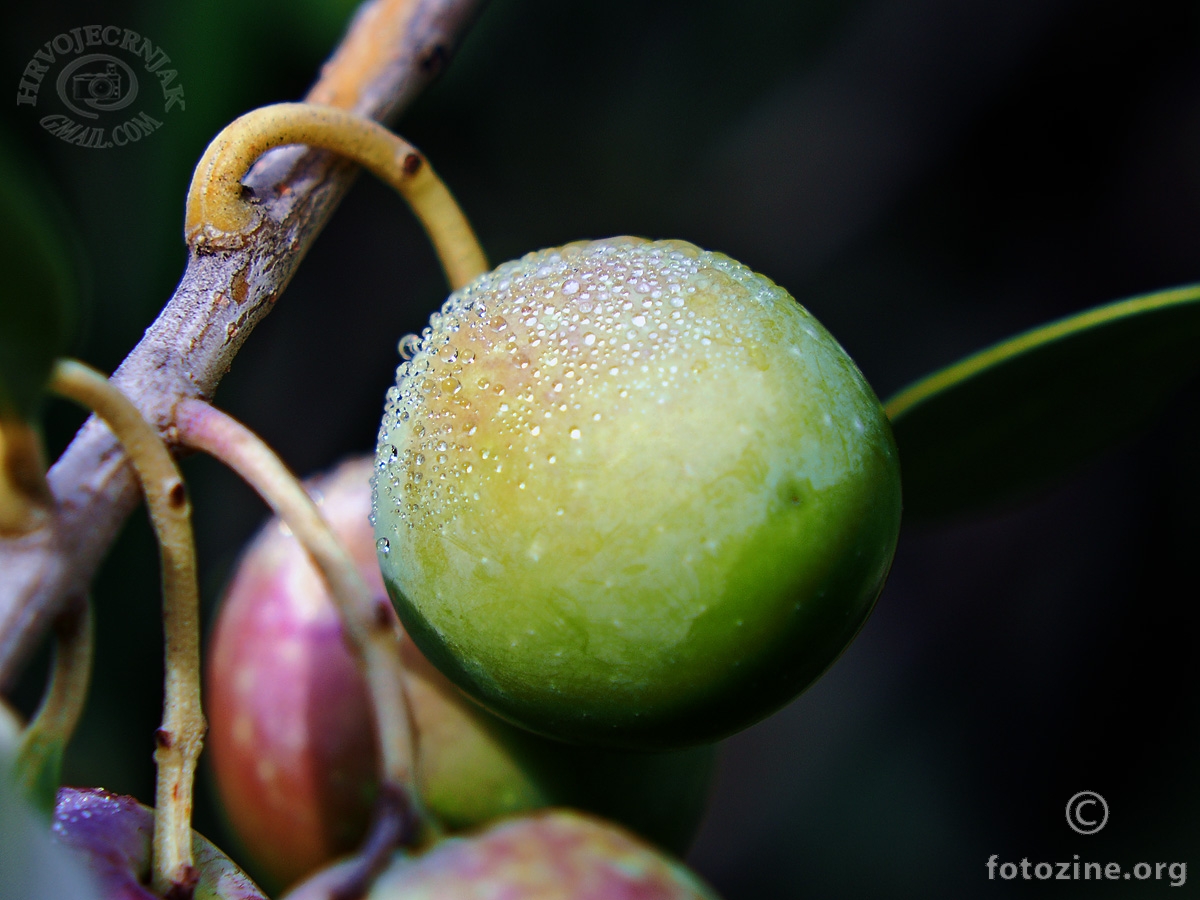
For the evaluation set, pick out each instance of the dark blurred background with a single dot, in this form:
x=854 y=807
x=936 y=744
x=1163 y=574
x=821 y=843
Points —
x=928 y=176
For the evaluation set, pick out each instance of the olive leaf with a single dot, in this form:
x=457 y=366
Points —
x=1009 y=420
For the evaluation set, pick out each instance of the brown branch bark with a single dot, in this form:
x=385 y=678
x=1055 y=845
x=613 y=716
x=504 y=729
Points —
x=392 y=50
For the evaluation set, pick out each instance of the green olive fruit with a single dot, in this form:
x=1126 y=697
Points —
x=555 y=855
x=291 y=740
x=631 y=493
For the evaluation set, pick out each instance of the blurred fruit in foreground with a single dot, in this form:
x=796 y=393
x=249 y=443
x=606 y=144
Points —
x=290 y=728
x=554 y=855
x=32 y=863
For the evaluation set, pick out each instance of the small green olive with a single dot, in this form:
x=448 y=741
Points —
x=631 y=493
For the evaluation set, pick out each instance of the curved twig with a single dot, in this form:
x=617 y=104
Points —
x=370 y=629
x=218 y=215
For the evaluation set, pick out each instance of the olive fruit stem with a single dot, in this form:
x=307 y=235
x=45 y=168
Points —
x=218 y=214
x=39 y=758
x=370 y=628
x=181 y=736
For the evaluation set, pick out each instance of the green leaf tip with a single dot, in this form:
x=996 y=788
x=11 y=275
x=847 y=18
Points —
x=1011 y=419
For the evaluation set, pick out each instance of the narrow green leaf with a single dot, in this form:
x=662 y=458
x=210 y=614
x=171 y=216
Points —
x=1009 y=420
x=39 y=288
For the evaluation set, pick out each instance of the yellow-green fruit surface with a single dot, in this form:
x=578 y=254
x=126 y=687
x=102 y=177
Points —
x=631 y=493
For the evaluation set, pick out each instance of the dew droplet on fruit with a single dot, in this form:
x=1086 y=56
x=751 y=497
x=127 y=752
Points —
x=408 y=346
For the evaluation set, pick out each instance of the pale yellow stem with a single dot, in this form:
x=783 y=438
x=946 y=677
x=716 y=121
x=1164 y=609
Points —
x=182 y=734
x=218 y=214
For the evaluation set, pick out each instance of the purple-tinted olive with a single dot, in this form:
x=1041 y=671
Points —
x=111 y=834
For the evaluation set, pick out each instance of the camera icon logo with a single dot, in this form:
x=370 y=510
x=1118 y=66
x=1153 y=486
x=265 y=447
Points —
x=103 y=86
x=97 y=83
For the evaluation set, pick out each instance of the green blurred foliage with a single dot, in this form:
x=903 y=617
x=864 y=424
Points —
x=40 y=288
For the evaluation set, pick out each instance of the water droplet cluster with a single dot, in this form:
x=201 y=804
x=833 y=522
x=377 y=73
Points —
x=525 y=368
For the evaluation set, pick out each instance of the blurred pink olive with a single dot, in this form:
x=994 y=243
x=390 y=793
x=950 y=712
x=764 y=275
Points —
x=554 y=855
x=291 y=738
